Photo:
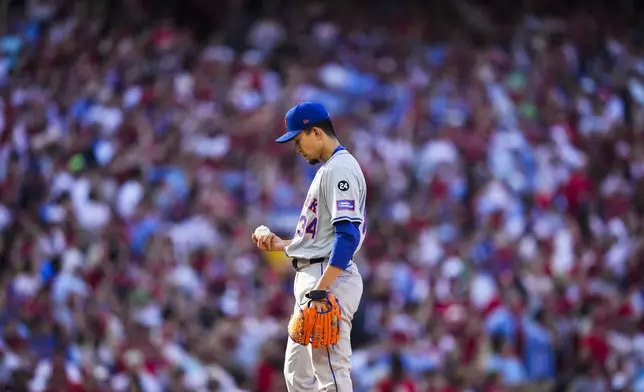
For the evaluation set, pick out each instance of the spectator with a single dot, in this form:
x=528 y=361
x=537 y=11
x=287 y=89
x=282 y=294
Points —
x=504 y=361
x=397 y=380
x=502 y=147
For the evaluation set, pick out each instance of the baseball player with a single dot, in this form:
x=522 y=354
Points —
x=329 y=232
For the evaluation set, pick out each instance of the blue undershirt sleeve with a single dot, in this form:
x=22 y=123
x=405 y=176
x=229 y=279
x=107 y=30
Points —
x=347 y=238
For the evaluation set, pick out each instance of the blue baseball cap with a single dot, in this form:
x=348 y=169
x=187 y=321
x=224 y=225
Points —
x=301 y=116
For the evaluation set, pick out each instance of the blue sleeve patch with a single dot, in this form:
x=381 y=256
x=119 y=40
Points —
x=345 y=205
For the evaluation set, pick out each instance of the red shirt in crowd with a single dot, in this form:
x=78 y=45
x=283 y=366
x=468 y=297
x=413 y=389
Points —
x=404 y=385
x=267 y=378
x=597 y=346
x=577 y=191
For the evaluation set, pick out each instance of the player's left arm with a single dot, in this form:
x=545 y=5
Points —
x=343 y=192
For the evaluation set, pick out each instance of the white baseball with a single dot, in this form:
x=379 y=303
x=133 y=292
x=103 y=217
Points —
x=262 y=231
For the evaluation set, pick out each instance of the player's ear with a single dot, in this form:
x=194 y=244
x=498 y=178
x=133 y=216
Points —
x=318 y=133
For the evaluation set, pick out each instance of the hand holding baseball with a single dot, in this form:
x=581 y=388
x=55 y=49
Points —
x=264 y=239
x=261 y=231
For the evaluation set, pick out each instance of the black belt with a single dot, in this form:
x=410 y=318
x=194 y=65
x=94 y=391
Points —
x=311 y=262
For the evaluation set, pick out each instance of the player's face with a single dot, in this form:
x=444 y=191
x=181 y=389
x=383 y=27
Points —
x=309 y=145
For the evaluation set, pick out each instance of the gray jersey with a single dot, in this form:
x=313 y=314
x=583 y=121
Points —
x=338 y=192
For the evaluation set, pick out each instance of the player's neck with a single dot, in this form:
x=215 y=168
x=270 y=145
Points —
x=328 y=149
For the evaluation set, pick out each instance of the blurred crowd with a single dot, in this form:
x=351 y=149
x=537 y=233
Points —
x=503 y=149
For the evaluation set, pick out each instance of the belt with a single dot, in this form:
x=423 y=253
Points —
x=307 y=262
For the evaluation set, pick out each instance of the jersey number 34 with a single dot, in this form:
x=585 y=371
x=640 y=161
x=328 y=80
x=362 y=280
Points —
x=306 y=227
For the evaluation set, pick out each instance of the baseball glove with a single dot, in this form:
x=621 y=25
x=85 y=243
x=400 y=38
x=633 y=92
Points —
x=320 y=329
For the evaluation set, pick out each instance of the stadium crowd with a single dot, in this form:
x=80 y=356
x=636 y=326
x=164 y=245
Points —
x=505 y=165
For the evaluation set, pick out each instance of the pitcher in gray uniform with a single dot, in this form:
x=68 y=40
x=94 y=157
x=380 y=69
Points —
x=330 y=230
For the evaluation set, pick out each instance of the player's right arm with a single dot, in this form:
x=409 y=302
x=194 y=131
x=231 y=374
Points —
x=270 y=242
